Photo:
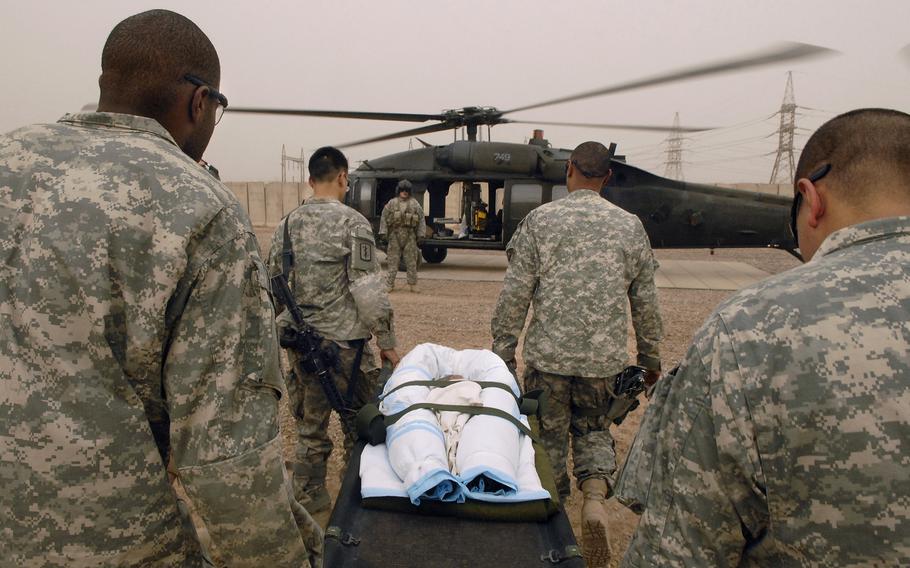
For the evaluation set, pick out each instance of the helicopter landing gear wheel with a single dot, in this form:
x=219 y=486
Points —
x=434 y=255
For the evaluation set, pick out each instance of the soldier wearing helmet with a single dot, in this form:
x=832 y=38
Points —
x=402 y=224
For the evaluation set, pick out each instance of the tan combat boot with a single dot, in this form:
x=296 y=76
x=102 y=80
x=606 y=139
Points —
x=595 y=540
x=414 y=288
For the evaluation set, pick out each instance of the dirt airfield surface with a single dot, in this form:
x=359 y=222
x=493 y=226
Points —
x=457 y=314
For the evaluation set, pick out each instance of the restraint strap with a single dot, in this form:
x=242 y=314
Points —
x=393 y=418
x=372 y=424
x=441 y=382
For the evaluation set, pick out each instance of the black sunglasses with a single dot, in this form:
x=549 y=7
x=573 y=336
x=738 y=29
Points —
x=798 y=199
x=222 y=100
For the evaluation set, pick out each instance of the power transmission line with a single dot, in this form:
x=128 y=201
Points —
x=784 y=168
x=299 y=163
x=674 y=152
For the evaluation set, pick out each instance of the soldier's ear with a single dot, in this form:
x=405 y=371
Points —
x=197 y=104
x=815 y=199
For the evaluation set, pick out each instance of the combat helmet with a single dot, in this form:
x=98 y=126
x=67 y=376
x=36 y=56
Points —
x=404 y=186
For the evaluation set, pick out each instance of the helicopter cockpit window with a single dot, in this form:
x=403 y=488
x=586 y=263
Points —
x=559 y=191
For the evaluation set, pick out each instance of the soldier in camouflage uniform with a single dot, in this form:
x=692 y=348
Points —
x=402 y=223
x=337 y=282
x=782 y=439
x=579 y=261
x=136 y=330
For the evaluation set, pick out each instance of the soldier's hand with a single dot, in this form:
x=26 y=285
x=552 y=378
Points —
x=651 y=378
x=389 y=355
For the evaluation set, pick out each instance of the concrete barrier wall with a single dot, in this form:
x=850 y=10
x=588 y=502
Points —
x=268 y=203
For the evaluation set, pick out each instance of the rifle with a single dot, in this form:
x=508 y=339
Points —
x=317 y=356
x=624 y=391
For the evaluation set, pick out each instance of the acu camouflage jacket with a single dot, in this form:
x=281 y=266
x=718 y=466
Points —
x=784 y=438
x=580 y=262
x=135 y=328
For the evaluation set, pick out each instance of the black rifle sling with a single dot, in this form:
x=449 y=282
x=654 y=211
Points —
x=287 y=262
x=355 y=370
x=287 y=253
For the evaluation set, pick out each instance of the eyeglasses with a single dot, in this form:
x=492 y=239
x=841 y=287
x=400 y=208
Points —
x=581 y=171
x=798 y=199
x=222 y=100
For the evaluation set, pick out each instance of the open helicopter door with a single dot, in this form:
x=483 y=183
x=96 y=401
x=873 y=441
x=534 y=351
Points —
x=362 y=196
x=523 y=196
x=520 y=198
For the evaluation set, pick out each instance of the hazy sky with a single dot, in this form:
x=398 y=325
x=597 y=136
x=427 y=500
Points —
x=426 y=56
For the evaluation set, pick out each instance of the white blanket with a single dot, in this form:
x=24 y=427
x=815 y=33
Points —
x=451 y=456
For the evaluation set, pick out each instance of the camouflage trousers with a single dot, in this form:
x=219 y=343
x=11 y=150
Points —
x=312 y=410
x=402 y=245
x=593 y=449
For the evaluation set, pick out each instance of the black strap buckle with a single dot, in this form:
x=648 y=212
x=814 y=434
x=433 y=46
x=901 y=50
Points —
x=346 y=539
x=556 y=556
x=349 y=540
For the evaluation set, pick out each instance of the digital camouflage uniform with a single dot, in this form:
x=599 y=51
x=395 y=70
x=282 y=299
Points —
x=135 y=328
x=337 y=282
x=783 y=438
x=579 y=261
x=403 y=223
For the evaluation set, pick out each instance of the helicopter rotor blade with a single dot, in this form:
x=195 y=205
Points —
x=642 y=127
x=785 y=52
x=402 y=134
x=399 y=116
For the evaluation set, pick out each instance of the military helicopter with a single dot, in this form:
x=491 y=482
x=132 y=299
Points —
x=501 y=182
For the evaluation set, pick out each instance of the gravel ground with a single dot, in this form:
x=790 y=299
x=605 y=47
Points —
x=457 y=314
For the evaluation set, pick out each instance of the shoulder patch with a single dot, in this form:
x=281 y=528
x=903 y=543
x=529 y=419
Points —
x=363 y=253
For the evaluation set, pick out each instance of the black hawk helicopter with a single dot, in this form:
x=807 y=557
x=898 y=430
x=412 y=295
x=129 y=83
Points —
x=502 y=182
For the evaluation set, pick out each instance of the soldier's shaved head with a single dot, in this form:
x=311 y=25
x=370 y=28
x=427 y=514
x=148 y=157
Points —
x=326 y=163
x=869 y=152
x=146 y=57
x=592 y=159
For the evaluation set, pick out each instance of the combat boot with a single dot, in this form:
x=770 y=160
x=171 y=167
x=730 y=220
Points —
x=390 y=287
x=318 y=504
x=414 y=288
x=310 y=491
x=594 y=535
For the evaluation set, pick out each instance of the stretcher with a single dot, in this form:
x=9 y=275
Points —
x=375 y=526
x=362 y=537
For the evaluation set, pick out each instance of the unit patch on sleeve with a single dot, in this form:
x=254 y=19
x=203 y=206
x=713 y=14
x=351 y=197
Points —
x=362 y=253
